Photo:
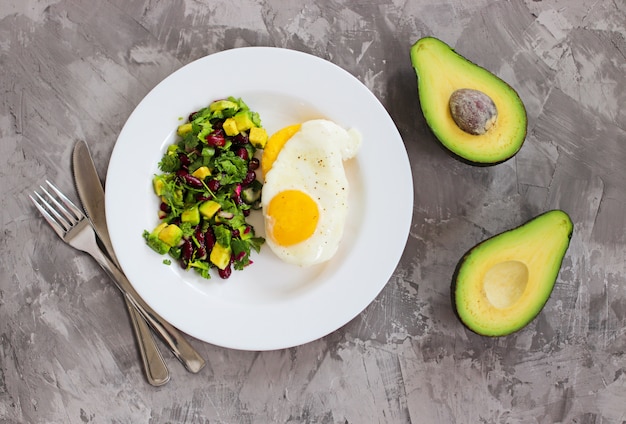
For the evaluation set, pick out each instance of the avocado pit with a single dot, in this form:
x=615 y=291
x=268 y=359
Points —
x=505 y=282
x=473 y=111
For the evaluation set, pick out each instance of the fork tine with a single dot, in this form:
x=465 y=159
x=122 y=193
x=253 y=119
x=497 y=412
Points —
x=54 y=214
x=78 y=214
x=49 y=218
x=54 y=206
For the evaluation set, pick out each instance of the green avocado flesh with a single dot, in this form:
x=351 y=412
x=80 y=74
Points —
x=502 y=283
x=440 y=72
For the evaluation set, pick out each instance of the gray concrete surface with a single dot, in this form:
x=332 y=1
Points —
x=76 y=69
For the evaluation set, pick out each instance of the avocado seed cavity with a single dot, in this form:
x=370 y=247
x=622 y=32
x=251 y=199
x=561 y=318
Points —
x=473 y=111
x=505 y=282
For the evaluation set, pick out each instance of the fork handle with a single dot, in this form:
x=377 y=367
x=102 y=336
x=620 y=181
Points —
x=179 y=346
x=154 y=365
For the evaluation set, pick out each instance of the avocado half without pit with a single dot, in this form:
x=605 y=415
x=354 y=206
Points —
x=474 y=114
x=502 y=284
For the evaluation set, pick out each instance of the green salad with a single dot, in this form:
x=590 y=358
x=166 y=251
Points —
x=208 y=187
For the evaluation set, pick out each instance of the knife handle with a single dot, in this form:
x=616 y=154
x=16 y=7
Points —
x=179 y=346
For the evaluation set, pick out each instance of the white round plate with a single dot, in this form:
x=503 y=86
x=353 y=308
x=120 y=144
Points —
x=270 y=304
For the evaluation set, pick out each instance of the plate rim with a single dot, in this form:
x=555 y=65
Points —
x=285 y=55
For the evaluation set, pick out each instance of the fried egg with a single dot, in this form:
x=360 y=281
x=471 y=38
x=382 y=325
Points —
x=305 y=192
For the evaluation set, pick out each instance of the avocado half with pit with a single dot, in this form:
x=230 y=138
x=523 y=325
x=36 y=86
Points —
x=503 y=283
x=473 y=113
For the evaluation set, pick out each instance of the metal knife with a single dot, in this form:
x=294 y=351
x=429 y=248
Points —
x=91 y=194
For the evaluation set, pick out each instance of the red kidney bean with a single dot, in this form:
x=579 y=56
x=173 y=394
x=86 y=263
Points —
x=200 y=237
x=242 y=152
x=254 y=164
x=193 y=181
x=184 y=159
x=246 y=212
x=214 y=185
x=181 y=173
x=250 y=176
x=209 y=239
x=186 y=251
x=225 y=273
x=165 y=207
x=201 y=250
x=241 y=138
x=216 y=138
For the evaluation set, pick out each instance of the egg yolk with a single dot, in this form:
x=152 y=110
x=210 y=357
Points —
x=275 y=144
x=293 y=217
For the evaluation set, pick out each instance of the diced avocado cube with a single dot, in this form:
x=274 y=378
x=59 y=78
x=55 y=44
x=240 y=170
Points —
x=230 y=127
x=153 y=241
x=209 y=208
x=243 y=121
x=157 y=245
x=220 y=256
x=158 y=183
x=202 y=172
x=221 y=105
x=171 y=235
x=191 y=215
x=158 y=228
x=184 y=129
x=258 y=137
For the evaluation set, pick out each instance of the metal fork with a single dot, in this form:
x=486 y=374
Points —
x=74 y=228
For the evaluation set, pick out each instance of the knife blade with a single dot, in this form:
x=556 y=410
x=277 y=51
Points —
x=180 y=347
x=91 y=195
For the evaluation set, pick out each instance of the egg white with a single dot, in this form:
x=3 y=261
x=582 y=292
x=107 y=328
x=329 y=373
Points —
x=312 y=162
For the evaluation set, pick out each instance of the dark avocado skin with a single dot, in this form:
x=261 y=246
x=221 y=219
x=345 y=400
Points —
x=453 y=286
x=440 y=70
